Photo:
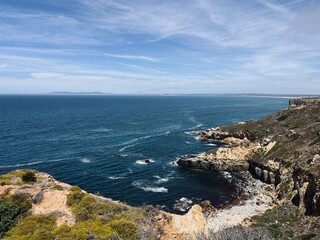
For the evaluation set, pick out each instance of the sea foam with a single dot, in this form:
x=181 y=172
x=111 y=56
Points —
x=148 y=188
x=85 y=160
x=144 y=161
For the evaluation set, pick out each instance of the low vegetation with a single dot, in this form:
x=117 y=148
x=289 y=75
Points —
x=9 y=215
x=57 y=187
x=96 y=217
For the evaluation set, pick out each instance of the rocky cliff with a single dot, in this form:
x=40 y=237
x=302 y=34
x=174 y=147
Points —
x=282 y=149
x=304 y=102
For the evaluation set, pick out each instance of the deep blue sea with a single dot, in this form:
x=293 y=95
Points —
x=97 y=142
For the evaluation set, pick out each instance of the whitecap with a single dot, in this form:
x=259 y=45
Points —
x=101 y=130
x=124 y=148
x=173 y=163
x=211 y=144
x=123 y=154
x=161 y=180
x=144 y=161
x=31 y=163
x=147 y=188
x=115 y=177
x=226 y=174
x=85 y=160
x=21 y=164
x=192 y=133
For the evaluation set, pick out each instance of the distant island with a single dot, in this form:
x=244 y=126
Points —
x=77 y=93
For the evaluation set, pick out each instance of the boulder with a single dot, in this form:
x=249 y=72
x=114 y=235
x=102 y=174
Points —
x=38 y=197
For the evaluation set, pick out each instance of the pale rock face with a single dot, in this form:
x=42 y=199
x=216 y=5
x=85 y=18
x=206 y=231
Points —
x=315 y=159
x=269 y=146
x=272 y=165
x=186 y=226
x=238 y=153
x=236 y=141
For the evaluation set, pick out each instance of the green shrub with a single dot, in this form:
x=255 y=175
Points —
x=9 y=215
x=20 y=199
x=29 y=177
x=127 y=230
x=33 y=227
x=75 y=189
x=57 y=187
x=89 y=208
x=4 y=182
x=82 y=231
x=74 y=197
x=85 y=208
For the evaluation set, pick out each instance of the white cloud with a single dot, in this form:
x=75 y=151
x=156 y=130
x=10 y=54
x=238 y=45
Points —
x=192 y=45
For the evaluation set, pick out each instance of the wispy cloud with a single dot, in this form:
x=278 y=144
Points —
x=160 y=46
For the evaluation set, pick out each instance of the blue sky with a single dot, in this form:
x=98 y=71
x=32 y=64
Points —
x=155 y=47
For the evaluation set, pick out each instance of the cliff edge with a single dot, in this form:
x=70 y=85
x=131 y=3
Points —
x=282 y=150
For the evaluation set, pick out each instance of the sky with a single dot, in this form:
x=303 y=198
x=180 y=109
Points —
x=160 y=46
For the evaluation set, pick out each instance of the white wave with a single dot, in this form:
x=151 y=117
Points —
x=115 y=177
x=21 y=164
x=144 y=161
x=147 y=188
x=173 y=163
x=192 y=119
x=85 y=160
x=31 y=163
x=123 y=155
x=130 y=170
x=124 y=148
x=199 y=124
x=189 y=132
x=226 y=174
x=101 y=130
x=161 y=180
x=187 y=142
x=136 y=139
x=211 y=144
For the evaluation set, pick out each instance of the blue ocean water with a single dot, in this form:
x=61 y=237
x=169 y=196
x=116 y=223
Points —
x=98 y=142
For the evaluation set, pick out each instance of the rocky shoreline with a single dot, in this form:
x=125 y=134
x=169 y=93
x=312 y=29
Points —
x=277 y=159
x=275 y=162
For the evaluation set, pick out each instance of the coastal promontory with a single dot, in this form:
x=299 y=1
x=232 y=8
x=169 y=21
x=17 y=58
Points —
x=275 y=162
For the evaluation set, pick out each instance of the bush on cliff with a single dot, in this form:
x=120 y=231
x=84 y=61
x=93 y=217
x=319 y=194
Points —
x=57 y=187
x=33 y=227
x=29 y=177
x=82 y=231
x=74 y=196
x=20 y=199
x=9 y=215
x=126 y=229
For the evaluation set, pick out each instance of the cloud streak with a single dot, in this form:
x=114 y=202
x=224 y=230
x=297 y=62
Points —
x=161 y=46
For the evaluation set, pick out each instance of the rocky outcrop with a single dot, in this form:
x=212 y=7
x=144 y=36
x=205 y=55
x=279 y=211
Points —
x=218 y=134
x=264 y=173
x=282 y=149
x=230 y=158
x=297 y=102
x=201 y=162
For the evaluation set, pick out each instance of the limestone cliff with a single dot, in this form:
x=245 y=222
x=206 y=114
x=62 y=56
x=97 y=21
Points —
x=282 y=149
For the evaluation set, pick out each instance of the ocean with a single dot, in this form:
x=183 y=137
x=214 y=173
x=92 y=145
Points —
x=100 y=143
